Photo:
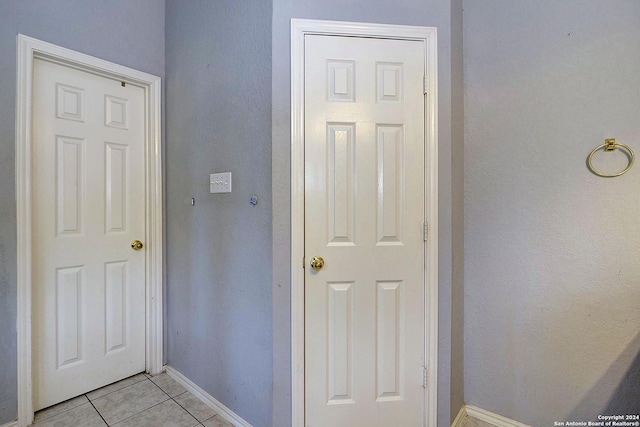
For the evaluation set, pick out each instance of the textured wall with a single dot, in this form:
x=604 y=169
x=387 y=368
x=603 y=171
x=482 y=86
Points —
x=218 y=118
x=408 y=12
x=457 y=209
x=551 y=251
x=218 y=319
x=127 y=32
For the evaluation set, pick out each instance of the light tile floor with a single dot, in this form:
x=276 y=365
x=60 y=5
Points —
x=137 y=401
x=474 y=422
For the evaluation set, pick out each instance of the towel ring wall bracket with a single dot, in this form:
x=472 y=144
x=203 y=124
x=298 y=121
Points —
x=610 y=144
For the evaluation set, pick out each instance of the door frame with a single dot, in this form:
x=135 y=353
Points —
x=29 y=49
x=428 y=36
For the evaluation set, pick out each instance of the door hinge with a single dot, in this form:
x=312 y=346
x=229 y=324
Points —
x=424 y=377
x=425 y=84
x=425 y=231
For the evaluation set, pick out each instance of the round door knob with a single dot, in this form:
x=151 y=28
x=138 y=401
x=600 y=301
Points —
x=317 y=263
x=136 y=245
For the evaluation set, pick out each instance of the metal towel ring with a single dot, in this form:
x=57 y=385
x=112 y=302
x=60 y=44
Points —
x=610 y=145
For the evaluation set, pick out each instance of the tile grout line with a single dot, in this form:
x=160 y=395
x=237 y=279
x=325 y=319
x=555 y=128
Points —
x=194 y=417
x=114 y=391
x=200 y=423
x=169 y=397
x=176 y=402
x=65 y=411
x=185 y=409
x=137 y=413
x=96 y=409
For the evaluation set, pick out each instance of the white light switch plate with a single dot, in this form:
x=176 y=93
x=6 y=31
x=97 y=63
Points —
x=220 y=182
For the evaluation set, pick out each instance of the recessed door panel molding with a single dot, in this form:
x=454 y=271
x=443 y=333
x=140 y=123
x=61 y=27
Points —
x=70 y=103
x=389 y=340
x=341 y=81
x=70 y=180
x=116 y=282
x=340 y=342
x=341 y=189
x=391 y=188
x=115 y=111
x=390 y=82
x=116 y=184
x=69 y=286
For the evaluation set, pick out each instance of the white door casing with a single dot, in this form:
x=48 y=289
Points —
x=364 y=214
x=28 y=51
x=340 y=293
x=88 y=200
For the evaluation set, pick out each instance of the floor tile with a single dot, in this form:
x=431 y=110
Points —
x=216 y=421
x=52 y=411
x=168 y=384
x=195 y=406
x=166 y=414
x=473 y=422
x=115 y=386
x=84 y=415
x=122 y=404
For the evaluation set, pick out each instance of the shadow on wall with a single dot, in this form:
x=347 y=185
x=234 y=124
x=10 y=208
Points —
x=626 y=397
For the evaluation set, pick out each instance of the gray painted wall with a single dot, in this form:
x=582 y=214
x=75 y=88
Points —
x=127 y=32
x=551 y=251
x=457 y=209
x=408 y=12
x=218 y=266
x=228 y=287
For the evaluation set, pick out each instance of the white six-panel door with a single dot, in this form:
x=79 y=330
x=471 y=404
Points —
x=364 y=215
x=88 y=207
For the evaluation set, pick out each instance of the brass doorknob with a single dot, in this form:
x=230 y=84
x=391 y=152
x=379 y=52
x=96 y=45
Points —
x=136 y=245
x=317 y=263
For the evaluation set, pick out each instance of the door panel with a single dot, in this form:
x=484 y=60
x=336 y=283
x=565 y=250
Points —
x=364 y=214
x=88 y=200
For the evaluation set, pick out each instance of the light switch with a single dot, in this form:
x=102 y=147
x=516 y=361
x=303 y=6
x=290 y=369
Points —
x=220 y=182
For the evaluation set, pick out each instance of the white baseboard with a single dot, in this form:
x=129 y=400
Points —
x=459 y=420
x=484 y=415
x=222 y=410
x=11 y=424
